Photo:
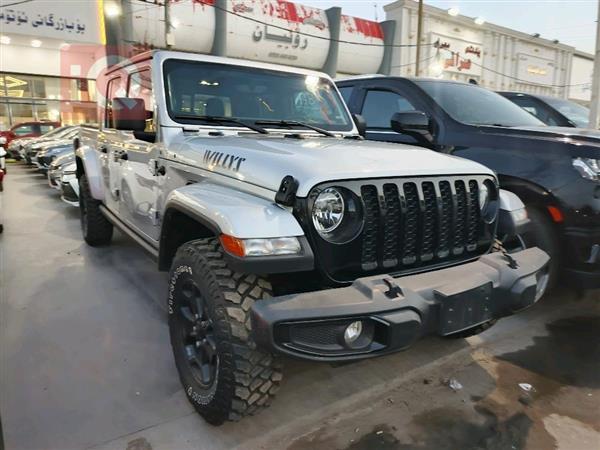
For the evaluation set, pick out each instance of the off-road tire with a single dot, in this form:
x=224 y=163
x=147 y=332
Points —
x=543 y=234
x=96 y=228
x=246 y=378
x=473 y=331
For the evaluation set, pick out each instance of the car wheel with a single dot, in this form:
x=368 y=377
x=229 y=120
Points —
x=224 y=375
x=96 y=228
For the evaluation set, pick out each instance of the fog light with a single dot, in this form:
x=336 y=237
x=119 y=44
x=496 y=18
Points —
x=353 y=331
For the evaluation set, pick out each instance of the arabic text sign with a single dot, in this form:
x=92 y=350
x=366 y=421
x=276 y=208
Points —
x=279 y=40
x=466 y=57
x=535 y=69
x=356 y=58
x=70 y=21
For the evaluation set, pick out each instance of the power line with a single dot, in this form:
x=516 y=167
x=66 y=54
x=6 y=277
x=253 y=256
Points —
x=15 y=3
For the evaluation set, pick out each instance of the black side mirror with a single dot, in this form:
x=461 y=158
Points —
x=413 y=123
x=129 y=114
x=360 y=123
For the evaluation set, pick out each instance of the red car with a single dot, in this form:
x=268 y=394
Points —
x=28 y=129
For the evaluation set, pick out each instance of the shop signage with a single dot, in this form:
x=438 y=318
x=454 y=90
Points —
x=459 y=55
x=291 y=33
x=69 y=21
x=534 y=69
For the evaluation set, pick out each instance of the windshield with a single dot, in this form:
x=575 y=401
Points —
x=576 y=113
x=196 y=89
x=477 y=106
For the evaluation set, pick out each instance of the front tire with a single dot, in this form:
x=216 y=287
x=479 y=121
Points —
x=96 y=228
x=224 y=375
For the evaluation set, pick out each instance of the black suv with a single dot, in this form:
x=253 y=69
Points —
x=555 y=171
x=551 y=110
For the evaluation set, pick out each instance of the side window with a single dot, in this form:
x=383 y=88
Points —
x=346 y=93
x=45 y=128
x=113 y=89
x=23 y=130
x=380 y=106
x=140 y=86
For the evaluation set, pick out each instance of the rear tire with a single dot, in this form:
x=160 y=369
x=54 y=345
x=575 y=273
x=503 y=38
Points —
x=96 y=228
x=543 y=234
x=224 y=375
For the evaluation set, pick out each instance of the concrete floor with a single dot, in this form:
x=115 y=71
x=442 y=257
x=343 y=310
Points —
x=85 y=362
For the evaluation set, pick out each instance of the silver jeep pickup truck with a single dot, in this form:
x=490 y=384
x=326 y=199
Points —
x=283 y=231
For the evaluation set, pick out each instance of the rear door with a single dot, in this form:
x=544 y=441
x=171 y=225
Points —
x=139 y=188
x=109 y=146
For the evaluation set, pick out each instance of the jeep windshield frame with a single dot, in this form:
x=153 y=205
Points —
x=197 y=89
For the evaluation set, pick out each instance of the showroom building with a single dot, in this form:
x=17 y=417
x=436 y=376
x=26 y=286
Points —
x=46 y=51
x=51 y=52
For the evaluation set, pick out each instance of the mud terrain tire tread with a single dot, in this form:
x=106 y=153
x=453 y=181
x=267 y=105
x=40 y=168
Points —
x=248 y=377
x=99 y=230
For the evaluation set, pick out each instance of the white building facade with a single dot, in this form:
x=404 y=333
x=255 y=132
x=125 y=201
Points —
x=495 y=57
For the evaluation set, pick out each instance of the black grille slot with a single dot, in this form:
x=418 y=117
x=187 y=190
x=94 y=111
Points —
x=460 y=227
x=474 y=214
x=445 y=224
x=391 y=227
x=411 y=223
x=371 y=228
x=429 y=237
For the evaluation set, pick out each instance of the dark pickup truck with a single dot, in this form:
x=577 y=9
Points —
x=554 y=170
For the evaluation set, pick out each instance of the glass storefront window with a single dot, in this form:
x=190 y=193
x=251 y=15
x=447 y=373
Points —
x=21 y=112
x=29 y=97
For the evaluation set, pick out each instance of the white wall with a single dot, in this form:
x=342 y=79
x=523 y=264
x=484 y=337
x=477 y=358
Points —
x=581 y=72
x=504 y=51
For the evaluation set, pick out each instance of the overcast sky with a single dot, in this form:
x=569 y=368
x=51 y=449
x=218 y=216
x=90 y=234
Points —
x=572 y=22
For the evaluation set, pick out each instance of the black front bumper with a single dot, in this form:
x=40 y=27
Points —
x=395 y=312
x=582 y=266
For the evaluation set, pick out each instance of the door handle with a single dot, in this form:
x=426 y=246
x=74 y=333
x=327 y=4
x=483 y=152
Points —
x=103 y=149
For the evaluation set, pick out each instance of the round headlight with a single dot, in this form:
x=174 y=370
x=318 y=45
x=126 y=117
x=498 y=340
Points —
x=484 y=196
x=328 y=210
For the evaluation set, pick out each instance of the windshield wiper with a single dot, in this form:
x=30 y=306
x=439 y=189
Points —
x=291 y=123
x=218 y=119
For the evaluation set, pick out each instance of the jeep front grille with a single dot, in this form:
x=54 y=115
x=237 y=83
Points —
x=406 y=222
x=409 y=224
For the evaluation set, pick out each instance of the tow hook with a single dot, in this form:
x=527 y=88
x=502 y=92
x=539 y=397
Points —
x=512 y=263
x=394 y=290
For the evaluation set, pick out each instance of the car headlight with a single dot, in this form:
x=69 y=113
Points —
x=328 y=210
x=588 y=168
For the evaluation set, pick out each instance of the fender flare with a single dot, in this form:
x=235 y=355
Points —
x=228 y=211
x=88 y=162
x=220 y=210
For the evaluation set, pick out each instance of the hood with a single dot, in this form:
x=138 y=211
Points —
x=265 y=160
x=568 y=133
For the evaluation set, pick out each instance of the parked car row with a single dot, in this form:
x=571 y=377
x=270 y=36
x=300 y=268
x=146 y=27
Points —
x=53 y=155
x=287 y=229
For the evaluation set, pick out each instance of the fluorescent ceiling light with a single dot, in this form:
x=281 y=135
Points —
x=36 y=43
x=479 y=20
x=453 y=12
x=4 y=40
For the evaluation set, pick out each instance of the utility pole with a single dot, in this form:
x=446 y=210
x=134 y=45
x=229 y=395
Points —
x=169 y=40
x=595 y=103
x=419 y=35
